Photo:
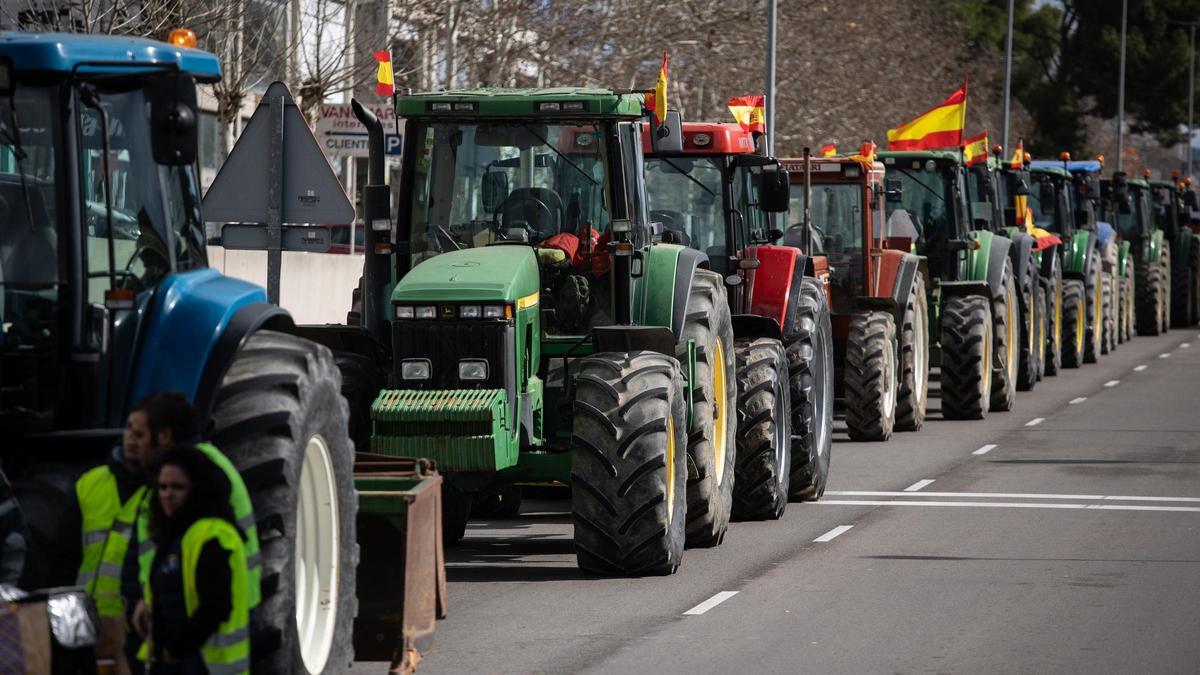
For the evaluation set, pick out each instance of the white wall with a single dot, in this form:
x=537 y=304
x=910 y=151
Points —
x=314 y=287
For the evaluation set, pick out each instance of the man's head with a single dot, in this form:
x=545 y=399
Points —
x=160 y=421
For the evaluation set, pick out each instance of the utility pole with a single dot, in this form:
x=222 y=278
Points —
x=1007 y=76
x=1191 y=101
x=769 y=112
x=1121 y=87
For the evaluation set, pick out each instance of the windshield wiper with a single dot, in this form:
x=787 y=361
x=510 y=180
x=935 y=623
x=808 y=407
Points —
x=14 y=141
x=689 y=176
x=564 y=157
x=918 y=182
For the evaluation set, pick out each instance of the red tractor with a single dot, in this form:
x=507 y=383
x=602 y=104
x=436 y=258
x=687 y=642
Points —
x=710 y=196
x=876 y=289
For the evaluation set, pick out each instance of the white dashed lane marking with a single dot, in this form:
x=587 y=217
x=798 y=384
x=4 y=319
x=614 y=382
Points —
x=1080 y=399
x=1112 y=383
x=1035 y=421
x=985 y=449
x=833 y=534
x=1140 y=368
x=918 y=485
x=710 y=603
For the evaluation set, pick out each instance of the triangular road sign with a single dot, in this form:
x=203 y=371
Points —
x=311 y=191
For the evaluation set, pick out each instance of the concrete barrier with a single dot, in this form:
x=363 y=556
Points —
x=314 y=287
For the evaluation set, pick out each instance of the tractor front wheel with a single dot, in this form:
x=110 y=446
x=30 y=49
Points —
x=1040 y=330
x=1094 y=292
x=809 y=348
x=1164 y=262
x=1029 y=364
x=914 y=360
x=1149 y=287
x=871 y=376
x=1006 y=315
x=712 y=442
x=764 y=435
x=280 y=418
x=629 y=464
x=967 y=344
x=1054 y=324
x=1074 y=323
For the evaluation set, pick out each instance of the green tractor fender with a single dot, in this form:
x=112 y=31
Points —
x=660 y=292
x=1078 y=255
x=985 y=262
x=1123 y=257
x=1154 y=250
x=1181 y=249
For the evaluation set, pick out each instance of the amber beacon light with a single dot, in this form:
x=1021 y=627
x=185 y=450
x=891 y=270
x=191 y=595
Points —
x=182 y=37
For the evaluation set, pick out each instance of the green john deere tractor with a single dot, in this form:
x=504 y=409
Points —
x=541 y=335
x=973 y=300
x=1171 y=215
x=1129 y=203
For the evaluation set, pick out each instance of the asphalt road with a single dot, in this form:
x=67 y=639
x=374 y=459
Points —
x=1060 y=537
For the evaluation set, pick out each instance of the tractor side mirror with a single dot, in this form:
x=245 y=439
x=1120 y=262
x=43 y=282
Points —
x=1189 y=200
x=1046 y=197
x=1021 y=186
x=173 y=132
x=774 y=191
x=1120 y=185
x=493 y=189
x=1092 y=187
x=668 y=136
x=893 y=189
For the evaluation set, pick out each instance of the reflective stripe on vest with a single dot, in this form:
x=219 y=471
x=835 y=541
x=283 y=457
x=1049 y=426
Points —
x=243 y=511
x=105 y=538
x=227 y=651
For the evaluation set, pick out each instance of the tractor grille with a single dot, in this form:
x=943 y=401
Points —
x=445 y=343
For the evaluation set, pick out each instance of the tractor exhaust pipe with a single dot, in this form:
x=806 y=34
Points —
x=808 y=243
x=378 y=222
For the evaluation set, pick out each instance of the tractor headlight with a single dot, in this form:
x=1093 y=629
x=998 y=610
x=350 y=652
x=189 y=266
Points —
x=404 y=312
x=473 y=370
x=415 y=369
x=493 y=312
x=426 y=312
x=468 y=312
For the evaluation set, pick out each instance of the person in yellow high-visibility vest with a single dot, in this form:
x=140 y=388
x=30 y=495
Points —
x=103 y=494
x=196 y=616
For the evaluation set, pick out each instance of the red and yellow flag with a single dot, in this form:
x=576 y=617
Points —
x=1018 y=158
x=385 y=86
x=827 y=150
x=750 y=112
x=657 y=99
x=975 y=149
x=939 y=127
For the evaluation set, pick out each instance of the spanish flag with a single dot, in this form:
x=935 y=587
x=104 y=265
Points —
x=975 y=149
x=386 y=85
x=1018 y=158
x=828 y=150
x=657 y=99
x=1043 y=239
x=750 y=112
x=939 y=127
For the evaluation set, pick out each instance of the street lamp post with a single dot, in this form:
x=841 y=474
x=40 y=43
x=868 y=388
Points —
x=1121 y=88
x=1007 y=75
x=769 y=107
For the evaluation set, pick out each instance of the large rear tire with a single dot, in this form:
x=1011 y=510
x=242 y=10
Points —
x=1164 y=263
x=1074 y=323
x=967 y=344
x=629 y=464
x=280 y=418
x=1028 y=361
x=913 y=396
x=1094 y=298
x=764 y=434
x=1149 y=304
x=1054 y=323
x=1041 y=328
x=1006 y=316
x=1108 y=342
x=712 y=441
x=1128 y=302
x=870 y=380
x=809 y=349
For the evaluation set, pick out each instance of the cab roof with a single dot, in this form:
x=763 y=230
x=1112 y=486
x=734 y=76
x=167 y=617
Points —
x=572 y=103
x=1053 y=168
x=1163 y=183
x=723 y=138
x=943 y=155
x=68 y=52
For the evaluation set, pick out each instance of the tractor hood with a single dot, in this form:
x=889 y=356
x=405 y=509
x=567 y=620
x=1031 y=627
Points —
x=493 y=273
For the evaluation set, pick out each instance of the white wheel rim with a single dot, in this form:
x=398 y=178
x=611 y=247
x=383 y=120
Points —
x=889 y=382
x=920 y=355
x=316 y=562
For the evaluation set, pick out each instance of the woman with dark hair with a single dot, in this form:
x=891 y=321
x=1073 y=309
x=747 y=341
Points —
x=198 y=614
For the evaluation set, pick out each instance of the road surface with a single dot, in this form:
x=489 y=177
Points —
x=1059 y=537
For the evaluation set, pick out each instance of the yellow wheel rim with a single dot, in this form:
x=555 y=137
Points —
x=1032 y=322
x=719 y=410
x=986 y=380
x=670 y=469
x=1058 y=315
x=1011 y=328
x=1079 y=331
x=1097 y=330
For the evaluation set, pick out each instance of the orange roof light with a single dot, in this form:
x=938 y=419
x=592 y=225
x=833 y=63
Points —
x=1100 y=158
x=1028 y=158
x=1145 y=173
x=1064 y=156
x=1187 y=181
x=182 y=37
x=1175 y=175
x=997 y=150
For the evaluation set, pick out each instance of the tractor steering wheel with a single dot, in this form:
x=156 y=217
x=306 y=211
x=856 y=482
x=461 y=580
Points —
x=531 y=213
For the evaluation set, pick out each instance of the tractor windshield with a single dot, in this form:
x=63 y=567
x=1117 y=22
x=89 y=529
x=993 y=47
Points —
x=1041 y=219
x=477 y=184
x=1131 y=224
x=837 y=216
x=1164 y=208
x=684 y=195
x=926 y=195
x=156 y=224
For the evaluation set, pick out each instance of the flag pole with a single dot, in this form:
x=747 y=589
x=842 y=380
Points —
x=1121 y=87
x=1008 y=59
x=769 y=107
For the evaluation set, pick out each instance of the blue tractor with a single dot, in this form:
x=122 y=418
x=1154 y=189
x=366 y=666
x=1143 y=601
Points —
x=107 y=296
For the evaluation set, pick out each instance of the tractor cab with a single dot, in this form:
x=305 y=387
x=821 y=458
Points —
x=1053 y=199
x=98 y=183
x=1169 y=210
x=933 y=197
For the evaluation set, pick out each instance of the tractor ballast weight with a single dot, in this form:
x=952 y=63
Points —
x=878 y=301
x=717 y=193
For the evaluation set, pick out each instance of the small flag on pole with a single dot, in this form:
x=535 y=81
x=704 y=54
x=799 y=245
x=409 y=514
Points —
x=827 y=150
x=749 y=112
x=938 y=127
x=1018 y=158
x=386 y=86
x=975 y=149
x=657 y=99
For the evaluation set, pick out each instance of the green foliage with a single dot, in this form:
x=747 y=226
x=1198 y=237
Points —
x=1066 y=59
